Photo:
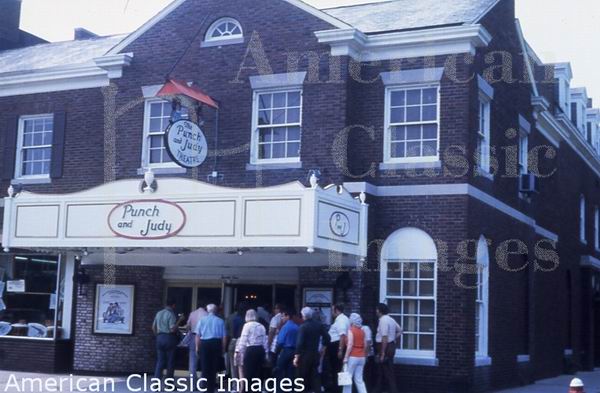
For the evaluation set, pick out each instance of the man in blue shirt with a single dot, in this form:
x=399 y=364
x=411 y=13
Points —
x=286 y=343
x=211 y=344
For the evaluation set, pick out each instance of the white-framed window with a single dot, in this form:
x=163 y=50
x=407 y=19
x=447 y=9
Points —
x=482 y=300
x=224 y=29
x=523 y=152
x=408 y=287
x=412 y=126
x=34 y=146
x=582 y=219
x=484 y=132
x=277 y=126
x=157 y=114
x=597 y=228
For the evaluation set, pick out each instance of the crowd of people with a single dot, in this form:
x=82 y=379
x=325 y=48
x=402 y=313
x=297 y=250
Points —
x=252 y=344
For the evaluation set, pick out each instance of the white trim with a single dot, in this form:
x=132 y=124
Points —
x=482 y=361
x=72 y=77
x=485 y=88
x=449 y=189
x=19 y=178
x=254 y=142
x=222 y=42
x=402 y=166
x=274 y=81
x=423 y=75
x=417 y=361
x=406 y=44
x=483 y=280
x=524 y=124
x=590 y=261
x=145 y=27
x=523 y=358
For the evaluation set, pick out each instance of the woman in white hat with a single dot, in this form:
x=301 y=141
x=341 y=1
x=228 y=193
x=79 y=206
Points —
x=356 y=354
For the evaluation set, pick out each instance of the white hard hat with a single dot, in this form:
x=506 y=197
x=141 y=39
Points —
x=576 y=383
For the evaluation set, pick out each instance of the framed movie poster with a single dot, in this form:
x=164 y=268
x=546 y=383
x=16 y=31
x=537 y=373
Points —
x=321 y=301
x=113 y=311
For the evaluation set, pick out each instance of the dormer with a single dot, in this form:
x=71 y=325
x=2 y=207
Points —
x=579 y=101
x=593 y=127
x=563 y=75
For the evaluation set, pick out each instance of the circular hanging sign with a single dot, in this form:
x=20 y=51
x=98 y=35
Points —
x=186 y=144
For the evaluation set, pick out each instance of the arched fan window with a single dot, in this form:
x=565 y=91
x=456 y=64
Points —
x=224 y=29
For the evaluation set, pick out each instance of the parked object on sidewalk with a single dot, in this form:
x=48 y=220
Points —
x=576 y=386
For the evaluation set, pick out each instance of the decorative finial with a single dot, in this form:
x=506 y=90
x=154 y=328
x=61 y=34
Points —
x=148 y=185
x=363 y=198
x=11 y=191
x=314 y=180
x=310 y=250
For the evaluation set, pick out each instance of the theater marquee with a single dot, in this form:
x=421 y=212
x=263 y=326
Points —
x=184 y=213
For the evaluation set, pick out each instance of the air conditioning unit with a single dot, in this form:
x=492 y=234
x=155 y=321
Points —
x=528 y=183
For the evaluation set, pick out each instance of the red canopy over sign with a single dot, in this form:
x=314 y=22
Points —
x=176 y=87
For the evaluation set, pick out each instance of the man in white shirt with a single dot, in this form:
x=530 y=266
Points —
x=387 y=336
x=274 y=326
x=338 y=333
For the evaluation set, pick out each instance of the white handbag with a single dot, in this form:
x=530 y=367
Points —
x=344 y=377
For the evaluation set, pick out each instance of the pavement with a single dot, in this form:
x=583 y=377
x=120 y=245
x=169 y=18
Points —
x=38 y=383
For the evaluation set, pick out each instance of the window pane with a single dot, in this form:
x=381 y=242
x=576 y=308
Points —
x=429 y=96
x=410 y=324
x=264 y=151
x=413 y=114
x=426 y=324
x=413 y=97
x=429 y=112
x=47 y=140
x=426 y=343
x=426 y=288
x=393 y=270
x=395 y=306
x=293 y=149
x=429 y=148
x=409 y=341
x=398 y=133
x=266 y=135
x=294 y=99
x=427 y=307
x=409 y=288
x=155 y=156
x=410 y=307
x=397 y=115
x=426 y=270
x=393 y=288
x=278 y=150
x=293 y=133
x=156 y=141
x=278 y=116
x=398 y=150
x=430 y=131
x=413 y=149
x=279 y=100
x=398 y=98
x=293 y=116
x=156 y=109
x=413 y=133
x=264 y=117
x=264 y=101
x=279 y=134
x=410 y=270
x=156 y=125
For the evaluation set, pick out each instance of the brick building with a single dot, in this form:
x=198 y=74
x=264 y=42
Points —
x=467 y=173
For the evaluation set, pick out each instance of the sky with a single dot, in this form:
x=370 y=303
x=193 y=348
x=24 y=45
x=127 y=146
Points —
x=558 y=30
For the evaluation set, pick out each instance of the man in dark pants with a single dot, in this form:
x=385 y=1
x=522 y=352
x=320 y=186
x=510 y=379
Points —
x=286 y=343
x=211 y=345
x=165 y=327
x=388 y=334
x=338 y=334
x=310 y=334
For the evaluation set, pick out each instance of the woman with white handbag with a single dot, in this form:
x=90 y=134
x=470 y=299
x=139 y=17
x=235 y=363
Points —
x=356 y=355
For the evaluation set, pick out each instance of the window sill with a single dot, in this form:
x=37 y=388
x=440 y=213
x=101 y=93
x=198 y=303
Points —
x=33 y=180
x=390 y=166
x=482 y=361
x=163 y=170
x=523 y=358
x=416 y=361
x=485 y=174
x=274 y=166
x=230 y=41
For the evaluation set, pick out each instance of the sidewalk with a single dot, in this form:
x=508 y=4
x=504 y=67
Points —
x=561 y=384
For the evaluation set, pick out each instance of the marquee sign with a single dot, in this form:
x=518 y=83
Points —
x=146 y=220
x=186 y=144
